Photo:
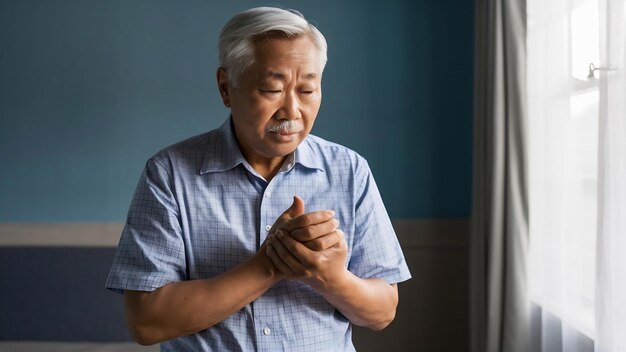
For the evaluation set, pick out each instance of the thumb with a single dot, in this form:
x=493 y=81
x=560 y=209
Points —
x=296 y=208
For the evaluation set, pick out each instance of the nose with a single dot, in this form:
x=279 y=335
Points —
x=290 y=108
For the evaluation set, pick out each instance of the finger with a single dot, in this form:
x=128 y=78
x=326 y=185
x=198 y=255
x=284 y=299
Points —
x=277 y=261
x=311 y=232
x=325 y=242
x=289 y=258
x=300 y=252
x=308 y=219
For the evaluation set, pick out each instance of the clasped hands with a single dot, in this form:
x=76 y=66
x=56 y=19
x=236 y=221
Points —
x=307 y=247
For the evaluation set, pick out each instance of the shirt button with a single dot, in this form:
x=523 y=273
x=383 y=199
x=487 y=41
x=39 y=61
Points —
x=266 y=331
x=268 y=194
x=268 y=228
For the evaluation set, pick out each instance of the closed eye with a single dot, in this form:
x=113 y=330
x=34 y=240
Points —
x=270 y=91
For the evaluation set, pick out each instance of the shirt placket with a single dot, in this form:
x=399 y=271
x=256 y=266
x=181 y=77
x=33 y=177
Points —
x=265 y=313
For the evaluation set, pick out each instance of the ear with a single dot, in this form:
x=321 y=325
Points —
x=222 y=85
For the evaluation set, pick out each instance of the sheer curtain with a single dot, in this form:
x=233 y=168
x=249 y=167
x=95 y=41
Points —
x=577 y=173
x=611 y=245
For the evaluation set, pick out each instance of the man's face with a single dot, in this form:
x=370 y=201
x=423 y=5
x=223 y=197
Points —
x=277 y=98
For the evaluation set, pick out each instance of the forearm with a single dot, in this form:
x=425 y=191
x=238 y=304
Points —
x=186 y=307
x=365 y=302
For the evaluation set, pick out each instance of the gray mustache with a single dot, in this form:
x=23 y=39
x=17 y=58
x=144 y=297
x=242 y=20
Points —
x=286 y=126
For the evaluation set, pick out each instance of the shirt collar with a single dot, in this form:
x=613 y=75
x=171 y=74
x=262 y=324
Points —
x=307 y=157
x=224 y=154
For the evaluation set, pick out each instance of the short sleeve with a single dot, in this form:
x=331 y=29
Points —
x=376 y=252
x=150 y=253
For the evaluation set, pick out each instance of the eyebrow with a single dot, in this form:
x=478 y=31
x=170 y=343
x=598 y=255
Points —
x=281 y=76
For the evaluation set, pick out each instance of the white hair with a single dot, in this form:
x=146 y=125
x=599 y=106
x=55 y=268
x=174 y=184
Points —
x=237 y=37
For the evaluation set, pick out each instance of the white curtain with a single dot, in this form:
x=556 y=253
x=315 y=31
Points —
x=611 y=245
x=577 y=169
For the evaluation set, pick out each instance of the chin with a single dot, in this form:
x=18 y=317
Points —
x=282 y=150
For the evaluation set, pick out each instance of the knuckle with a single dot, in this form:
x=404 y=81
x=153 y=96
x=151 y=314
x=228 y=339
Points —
x=291 y=246
x=325 y=228
x=343 y=246
x=318 y=245
x=317 y=261
x=335 y=237
x=297 y=223
x=312 y=230
x=323 y=244
x=297 y=233
x=305 y=219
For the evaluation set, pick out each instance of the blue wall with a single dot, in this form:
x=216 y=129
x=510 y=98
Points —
x=90 y=89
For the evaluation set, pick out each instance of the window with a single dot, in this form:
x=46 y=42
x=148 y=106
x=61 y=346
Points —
x=563 y=97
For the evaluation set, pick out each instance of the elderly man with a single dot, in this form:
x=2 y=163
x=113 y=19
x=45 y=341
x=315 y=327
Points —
x=219 y=253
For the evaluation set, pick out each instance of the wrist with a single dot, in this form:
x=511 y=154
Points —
x=338 y=283
x=261 y=261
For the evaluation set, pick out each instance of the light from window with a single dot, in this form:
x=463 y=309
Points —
x=585 y=33
x=563 y=40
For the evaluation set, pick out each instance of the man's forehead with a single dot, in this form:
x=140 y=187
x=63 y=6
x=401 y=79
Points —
x=282 y=75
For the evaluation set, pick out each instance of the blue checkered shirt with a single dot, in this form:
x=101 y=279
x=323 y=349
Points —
x=200 y=209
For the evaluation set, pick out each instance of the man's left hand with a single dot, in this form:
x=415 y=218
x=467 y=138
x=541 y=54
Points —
x=320 y=269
